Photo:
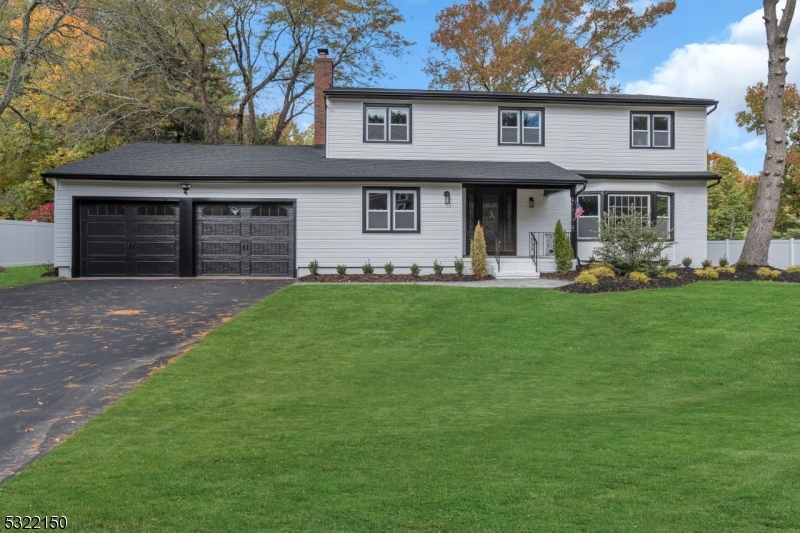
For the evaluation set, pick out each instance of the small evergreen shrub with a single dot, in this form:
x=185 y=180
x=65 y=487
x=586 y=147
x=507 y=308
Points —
x=477 y=250
x=341 y=269
x=639 y=277
x=630 y=243
x=726 y=270
x=388 y=268
x=458 y=265
x=415 y=270
x=741 y=264
x=794 y=269
x=668 y=275
x=313 y=267
x=706 y=263
x=664 y=262
x=584 y=278
x=601 y=272
x=437 y=267
x=563 y=249
x=687 y=262
x=768 y=273
x=368 y=268
x=723 y=261
x=706 y=273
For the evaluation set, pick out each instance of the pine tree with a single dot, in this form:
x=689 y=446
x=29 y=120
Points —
x=563 y=250
x=477 y=250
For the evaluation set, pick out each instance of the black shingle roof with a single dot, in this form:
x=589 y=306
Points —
x=163 y=161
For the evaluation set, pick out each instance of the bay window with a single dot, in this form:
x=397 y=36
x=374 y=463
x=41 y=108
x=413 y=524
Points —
x=654 y=209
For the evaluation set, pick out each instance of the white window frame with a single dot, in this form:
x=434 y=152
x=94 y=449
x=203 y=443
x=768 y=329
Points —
x=670 y=208
x=515 y=128
x=391 y=209
x=599 y=197
x=668 y=132
x=413 y=193
x=387 y=122
x=520 y=112
x=538 y=129
x=367 y=124
x=649 y=118
x=388 y=210
x=407 y=125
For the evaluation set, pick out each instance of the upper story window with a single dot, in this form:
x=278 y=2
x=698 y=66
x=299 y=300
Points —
x=387 y=123
x=521 y=126
x=652 y=130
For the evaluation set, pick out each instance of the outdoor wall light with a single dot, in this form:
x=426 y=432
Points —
x=186 y=187
x=446 y=197
x=530 y=202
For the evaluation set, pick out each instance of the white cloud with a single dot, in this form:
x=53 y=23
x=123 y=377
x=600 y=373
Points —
x=722 y=70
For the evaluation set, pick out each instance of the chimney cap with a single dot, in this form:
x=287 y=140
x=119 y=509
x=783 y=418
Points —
x=323 y=52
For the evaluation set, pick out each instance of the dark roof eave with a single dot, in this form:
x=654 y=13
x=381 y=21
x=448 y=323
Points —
x=657 y=176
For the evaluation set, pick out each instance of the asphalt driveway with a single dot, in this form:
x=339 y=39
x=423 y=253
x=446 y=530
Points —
x=68 y=349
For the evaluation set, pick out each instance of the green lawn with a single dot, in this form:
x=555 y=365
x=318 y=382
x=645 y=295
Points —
x=17 y=276
x=407 y=408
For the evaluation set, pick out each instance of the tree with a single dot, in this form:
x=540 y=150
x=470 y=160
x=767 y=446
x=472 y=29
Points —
x=477 y=252
x=770 y=186
x=563 y=249
x=567 y=46
x=730 y=207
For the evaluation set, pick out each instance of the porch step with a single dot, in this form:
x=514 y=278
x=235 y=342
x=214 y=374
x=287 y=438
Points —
x=513 y=268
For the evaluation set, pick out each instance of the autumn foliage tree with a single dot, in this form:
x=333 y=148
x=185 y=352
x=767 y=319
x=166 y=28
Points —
x=730 y=206
x=507 y=45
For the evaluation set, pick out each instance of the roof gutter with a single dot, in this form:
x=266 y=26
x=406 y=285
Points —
x=717 y=181
x=713 y=109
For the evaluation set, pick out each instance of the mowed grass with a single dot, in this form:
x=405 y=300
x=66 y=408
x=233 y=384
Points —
x=403 y=408
x=27 y=275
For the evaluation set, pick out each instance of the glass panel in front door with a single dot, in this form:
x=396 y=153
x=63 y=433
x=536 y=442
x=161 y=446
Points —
x=491 y=220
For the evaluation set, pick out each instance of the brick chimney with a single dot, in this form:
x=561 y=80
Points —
x=323 y=79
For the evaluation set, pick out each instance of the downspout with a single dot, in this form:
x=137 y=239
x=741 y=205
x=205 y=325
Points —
x=712 y=109
x=574 y=225
x=47 y=184
x=719 y=179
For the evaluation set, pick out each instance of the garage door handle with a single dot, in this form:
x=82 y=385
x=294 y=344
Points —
x=131 y=245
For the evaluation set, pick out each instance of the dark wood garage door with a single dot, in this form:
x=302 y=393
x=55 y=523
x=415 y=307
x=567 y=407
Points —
x=128 y=239
x=245 y=239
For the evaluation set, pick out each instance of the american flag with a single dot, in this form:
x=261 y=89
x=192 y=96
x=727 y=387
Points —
x=578 y=210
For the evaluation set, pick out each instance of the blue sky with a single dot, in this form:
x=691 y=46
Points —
x=706 y=48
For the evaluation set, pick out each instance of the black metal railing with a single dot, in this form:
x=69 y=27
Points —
x=543 y=244
x=497 y=253
x=533 y=250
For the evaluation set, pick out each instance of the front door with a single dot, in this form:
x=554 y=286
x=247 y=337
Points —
x=496 y=209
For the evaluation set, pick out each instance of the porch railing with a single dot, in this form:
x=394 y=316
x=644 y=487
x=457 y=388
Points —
x=543 y=244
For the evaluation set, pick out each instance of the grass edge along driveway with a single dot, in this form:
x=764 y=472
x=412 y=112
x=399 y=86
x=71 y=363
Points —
x=434 y=408
x=25 y=275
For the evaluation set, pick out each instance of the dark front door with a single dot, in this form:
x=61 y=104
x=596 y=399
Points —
x=497 y=212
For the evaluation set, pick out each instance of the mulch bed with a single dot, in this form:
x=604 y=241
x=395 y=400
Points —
x=685 y=277
x=385 y=278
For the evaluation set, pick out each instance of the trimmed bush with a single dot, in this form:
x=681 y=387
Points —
x=341 y=269
x=664 y=262
x=313 y=267
x=687 y=262
x=793 y=269
x=768 y=273
x=563 y=249
x=741 y=264
x=639 y=277
x=477 y=250
x=668 y=275
x=415 y=270
x=726 y=270
x=601 y=272
x=706 y=273
x=437 y=267
x=458 y=265
x=723 y=261
x=706 y=263
x=368 y=268
x=388 y=268
x=584 y=278
x=630 y=244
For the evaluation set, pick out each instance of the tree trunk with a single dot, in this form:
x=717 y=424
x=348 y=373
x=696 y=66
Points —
x=251 y=116
x=759 y=236
x=240 y=124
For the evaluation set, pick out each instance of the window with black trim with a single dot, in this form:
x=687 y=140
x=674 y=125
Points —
x=589 y=221
x=391 y=210
x=521 y=126
x=387 y=123
x=652 y=130
x=653 y=208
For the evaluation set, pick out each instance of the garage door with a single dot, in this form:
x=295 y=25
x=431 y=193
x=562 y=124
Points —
x=128 y=239
x=245 y=239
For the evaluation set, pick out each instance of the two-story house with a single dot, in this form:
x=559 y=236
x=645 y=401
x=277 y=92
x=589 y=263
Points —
x=396 y=175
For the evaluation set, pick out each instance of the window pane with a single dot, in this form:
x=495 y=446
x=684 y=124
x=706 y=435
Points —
x=378 y=201
x=378 y=220
x=641 y=122
x=509 y=118
x=509 y=135
x=375 y=133
x=663 y=206
x=399 y=116
x=664 y=227
x=591 y=205
x=404 y=201
x=641 y=138
x=531 y=119
x=376 y=115
x=661 y=139
x=661 y=123
x=530 y=136
x=587 y=227
x=404 y=220
x=398 y=133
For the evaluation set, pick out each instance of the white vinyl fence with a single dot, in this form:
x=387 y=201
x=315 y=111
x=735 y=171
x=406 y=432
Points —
x=782 y=254
x=25 y=243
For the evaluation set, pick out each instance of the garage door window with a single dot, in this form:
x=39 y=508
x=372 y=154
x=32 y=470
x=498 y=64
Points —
x=155 y=210
x=106 y=210
x=221 y=211
x=269 y=211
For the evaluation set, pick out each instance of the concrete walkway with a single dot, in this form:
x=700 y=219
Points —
x=492 y=283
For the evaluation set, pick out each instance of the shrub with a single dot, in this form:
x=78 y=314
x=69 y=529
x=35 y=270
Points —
x=458 y=265
x=601 y=272
x=341 y=269
x=741 y=264
x=43 y=213
x=687 y=262
x=630 y=244
x=388 y=268
x=726 y=270
x=415 y=270
x=437 y=267
x=664 y=262
x=368 y=268
x=563 y=249
x=584 y=278
x=706 y=263
x=477 y=249
x=313 y=267
x=794 y=269
x=768 y=273
x=706 y=273
x=723 y=261
x=668 y=275
x=639 y=277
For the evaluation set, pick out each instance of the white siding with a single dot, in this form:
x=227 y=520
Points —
x=329 y=223
x=576 y=137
